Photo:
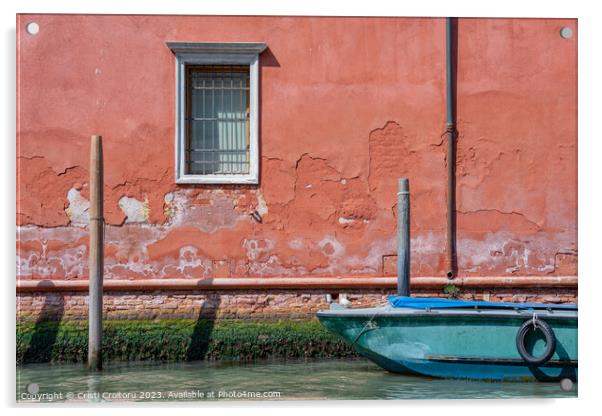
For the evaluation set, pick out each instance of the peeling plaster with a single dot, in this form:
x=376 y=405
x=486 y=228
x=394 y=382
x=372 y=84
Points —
x=213 y=211
x=344 y=221
x=262 y=207
x=135 y=211
x=208 y=212
x=502 y=251
x=77 y=211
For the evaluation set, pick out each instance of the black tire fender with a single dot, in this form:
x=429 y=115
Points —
x=521 y=336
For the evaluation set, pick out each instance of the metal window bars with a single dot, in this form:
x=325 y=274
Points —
x=217 y=119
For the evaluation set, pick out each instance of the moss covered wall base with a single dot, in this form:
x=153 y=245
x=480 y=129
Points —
x=179 y=340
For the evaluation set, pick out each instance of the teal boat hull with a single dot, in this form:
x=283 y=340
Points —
x=456 y=343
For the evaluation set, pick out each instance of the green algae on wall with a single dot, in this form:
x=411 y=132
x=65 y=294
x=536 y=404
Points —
x=178 y=340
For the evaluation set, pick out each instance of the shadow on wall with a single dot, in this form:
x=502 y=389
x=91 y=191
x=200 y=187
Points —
x=46 y=329
x=266 y=59
x=203 y=329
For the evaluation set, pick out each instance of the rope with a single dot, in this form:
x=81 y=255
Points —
x=364 y=328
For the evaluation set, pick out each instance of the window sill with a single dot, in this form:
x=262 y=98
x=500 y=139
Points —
x=217 y=180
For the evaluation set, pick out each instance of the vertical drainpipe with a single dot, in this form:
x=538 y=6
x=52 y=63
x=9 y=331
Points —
x=450 y=132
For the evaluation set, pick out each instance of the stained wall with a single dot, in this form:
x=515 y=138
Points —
x=347 y=105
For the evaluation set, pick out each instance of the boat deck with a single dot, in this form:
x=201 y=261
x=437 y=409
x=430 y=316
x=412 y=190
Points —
x=390 y=311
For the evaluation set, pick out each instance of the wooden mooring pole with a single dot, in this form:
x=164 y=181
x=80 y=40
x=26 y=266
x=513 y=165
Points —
x=96 y=260
x=403 y=238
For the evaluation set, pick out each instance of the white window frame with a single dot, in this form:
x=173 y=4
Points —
x=224 y=53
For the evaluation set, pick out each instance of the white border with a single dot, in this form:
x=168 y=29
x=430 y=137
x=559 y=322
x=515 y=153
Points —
x=590 y=222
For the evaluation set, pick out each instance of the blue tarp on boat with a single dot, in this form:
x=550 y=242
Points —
x=442 y=303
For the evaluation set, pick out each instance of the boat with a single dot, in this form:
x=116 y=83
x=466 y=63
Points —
x=451 y=338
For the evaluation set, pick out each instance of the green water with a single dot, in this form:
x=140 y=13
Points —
x=260 y=380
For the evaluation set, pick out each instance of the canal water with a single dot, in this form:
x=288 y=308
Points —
x=259 y=380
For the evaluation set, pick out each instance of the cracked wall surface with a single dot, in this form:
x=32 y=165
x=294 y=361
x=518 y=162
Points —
x=342 y=117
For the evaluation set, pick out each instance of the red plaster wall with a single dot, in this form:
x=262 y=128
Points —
x=348 y=105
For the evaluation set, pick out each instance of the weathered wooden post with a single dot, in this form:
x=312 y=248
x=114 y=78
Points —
x=403 y=238
x=96 y=260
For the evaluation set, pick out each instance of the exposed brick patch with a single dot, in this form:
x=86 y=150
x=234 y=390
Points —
x=251 y=305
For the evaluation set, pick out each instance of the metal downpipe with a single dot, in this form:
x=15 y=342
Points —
x=450 y=132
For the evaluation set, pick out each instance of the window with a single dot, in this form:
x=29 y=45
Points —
x=217 y=112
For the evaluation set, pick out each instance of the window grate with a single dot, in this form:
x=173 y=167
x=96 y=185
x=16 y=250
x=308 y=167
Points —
x=217 y=119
